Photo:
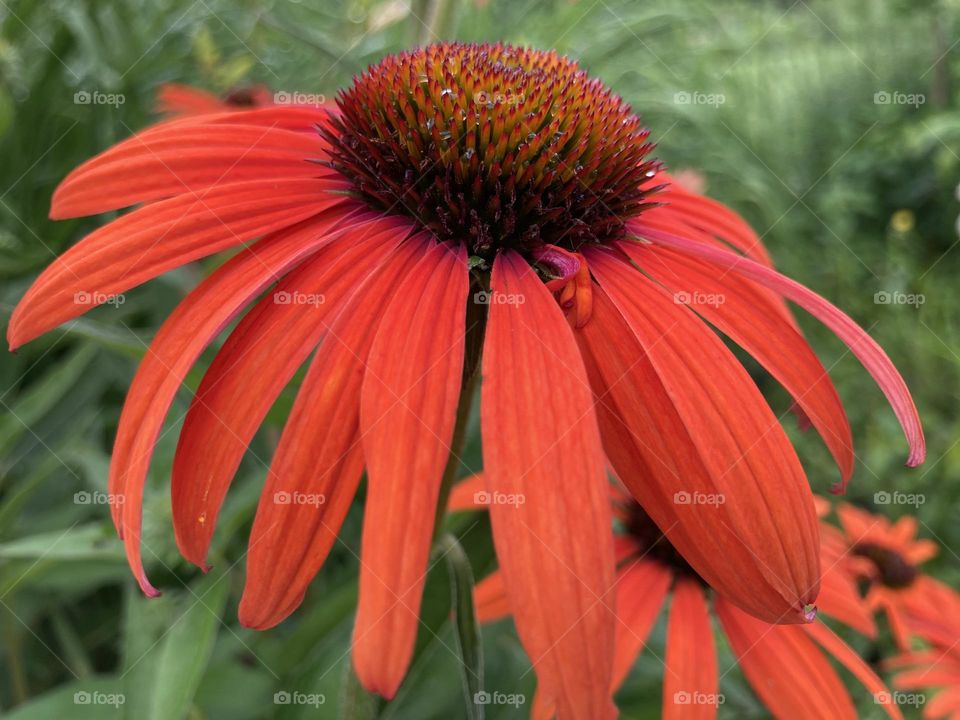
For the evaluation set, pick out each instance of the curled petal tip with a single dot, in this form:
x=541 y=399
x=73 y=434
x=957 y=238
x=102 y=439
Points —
x=149 y=590
x=809 y=612
x=838 y=488
x=917 y=456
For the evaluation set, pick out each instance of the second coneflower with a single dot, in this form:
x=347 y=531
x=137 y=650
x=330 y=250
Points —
x=462 y=198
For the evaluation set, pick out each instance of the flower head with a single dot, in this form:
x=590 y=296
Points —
x=464 y=205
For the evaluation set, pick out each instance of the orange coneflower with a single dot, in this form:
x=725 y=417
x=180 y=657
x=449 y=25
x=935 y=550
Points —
x=784 y=664
x=887 y=557
x=462 y=197
x=936 y=672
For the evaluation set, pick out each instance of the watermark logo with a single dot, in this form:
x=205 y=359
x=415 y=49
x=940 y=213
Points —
x=95 y=97
x=895 y=97
x=285 y=697
x=482 y=497
x=499 y=698
x=885 y=697
x=97 y=498
x=699 y=298
x=82 y=697
x=81 y=297
x=282 y=297
x=497 y=98
x=299 y=498
x=899 y=298
x=698 y=498
x=498 y=298
x=285 y=97
x=696 y=97
x=899 y=498
x=682 y=697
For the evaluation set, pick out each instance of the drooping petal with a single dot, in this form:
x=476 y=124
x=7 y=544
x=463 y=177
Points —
x=641 y=591
x=690 y=675
x=839 y=596
x=744 y=312
x=541 y=445
x=689 y=435
x=785 y=668
x=177 y=345
x=317 y=465
x=167 y=161
x=157 y=238
x=254 y=365
x=408 y=409
x=865 y=348
x=846 y=656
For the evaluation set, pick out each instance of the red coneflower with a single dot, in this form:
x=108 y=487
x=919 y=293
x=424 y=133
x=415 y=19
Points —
x=887 y=556
x=784 y=664
x=462 y=196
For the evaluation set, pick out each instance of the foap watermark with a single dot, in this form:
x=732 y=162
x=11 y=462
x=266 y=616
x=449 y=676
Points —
x=95 y=97
x=497 y=98
x=895 y=97
x=287 y=97
x=282 y=297
x=83 y=697
x=499 y=698
x=699 y=298
x=698 y=498
x=696 y=97
x=482 y=497
x=81 y=297
x=299 y=498
x=899 y=498
x=286 y=697
x=901 y=699
x=896 y=297
x=97 y=497
x=495 y=297
x=683 y=697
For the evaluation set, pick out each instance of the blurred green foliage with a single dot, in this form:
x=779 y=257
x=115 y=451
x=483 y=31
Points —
x=805 y=116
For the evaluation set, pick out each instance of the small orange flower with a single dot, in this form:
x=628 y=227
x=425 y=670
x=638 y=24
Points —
x=459 y=198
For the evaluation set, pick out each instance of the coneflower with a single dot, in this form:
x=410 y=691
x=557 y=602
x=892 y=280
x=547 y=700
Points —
x=465 y=205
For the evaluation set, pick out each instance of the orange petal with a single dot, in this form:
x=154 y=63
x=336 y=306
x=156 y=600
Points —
x=469 y=494
x=490 y=596
x=177 y=345
x=690 y=436
x=690 y=676
x=408 y=409
x=159 y=237
x=254 y=365
x=541 y=447
x=785 y=668
x=641 y=590
x=318 y=461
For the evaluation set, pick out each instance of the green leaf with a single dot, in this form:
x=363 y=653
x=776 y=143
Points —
x=163 y=680
x=465 y=619
x=87 y=699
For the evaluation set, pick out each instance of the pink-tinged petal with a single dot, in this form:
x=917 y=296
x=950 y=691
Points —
x=641 y=591
x=199 y=318
x=846 y=656
x=408 y=408
x=318 y=461
x=541 y=444
x=690 y=677
x=785 y=668
x=159 y=237
x=254 y=365
x=690 y=436
x=746 y=314
x=167 y=161
x=865 y=348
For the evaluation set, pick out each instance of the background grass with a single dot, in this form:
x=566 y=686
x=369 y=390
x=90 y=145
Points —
x=853 y=196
